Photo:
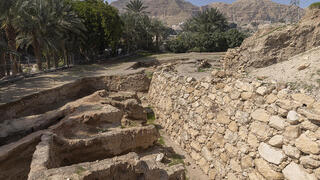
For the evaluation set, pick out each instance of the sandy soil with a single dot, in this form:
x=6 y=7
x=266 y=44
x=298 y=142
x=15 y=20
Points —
x=14 y=91
x=303 y=69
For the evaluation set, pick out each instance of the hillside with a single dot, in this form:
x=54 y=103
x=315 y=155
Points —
x=172 y=12
x=245 y=12
x=273 y=45
x=242 y=12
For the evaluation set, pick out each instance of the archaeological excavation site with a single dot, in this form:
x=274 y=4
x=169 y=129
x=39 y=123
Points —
x=252 y=113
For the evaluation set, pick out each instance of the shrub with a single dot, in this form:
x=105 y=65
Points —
x=315 y=5
x=234 y=38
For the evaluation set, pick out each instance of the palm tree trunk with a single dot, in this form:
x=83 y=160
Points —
x=48 y=61
x=56 y=63
x=37 y=52
x=8 y=68
x=11 y=36
x=2 y=64
x=157 y=42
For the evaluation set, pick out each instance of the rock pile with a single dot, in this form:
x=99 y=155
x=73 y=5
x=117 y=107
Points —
x=240 y=128
x=270 y=46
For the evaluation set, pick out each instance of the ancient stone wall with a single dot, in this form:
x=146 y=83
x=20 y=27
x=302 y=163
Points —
x=238 y=128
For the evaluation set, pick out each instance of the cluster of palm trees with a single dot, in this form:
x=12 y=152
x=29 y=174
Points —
x=48 y=28
x=141 y=31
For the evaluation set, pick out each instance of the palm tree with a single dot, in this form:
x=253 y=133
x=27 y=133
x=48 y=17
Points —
x=3 y=47
x=158 y=30
x=136 y=6
x=207 y=21
x=8 y=11
x=45 y=24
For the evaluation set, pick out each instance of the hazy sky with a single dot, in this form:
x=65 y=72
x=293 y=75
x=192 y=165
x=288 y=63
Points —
x=304 y=3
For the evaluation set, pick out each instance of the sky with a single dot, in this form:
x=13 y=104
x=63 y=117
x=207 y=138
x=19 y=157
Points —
x=303 y=3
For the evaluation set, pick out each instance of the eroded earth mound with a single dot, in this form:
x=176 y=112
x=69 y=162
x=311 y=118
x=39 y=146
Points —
x=104 y=135
x=273 y=45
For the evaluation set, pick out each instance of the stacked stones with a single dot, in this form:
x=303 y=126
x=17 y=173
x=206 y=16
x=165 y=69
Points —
x=240 y=128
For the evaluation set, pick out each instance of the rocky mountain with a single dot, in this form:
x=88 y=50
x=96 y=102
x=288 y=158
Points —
x=255 y=12
x=172 y=12
x=242 y=12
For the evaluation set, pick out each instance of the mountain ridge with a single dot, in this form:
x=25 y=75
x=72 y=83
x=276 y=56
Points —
x=241 y=12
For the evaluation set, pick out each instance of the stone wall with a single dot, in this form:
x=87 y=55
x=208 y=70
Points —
x=240 y=129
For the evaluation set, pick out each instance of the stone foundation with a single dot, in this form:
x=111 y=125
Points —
x=240 y=129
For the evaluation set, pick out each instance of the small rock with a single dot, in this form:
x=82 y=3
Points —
x=308 y=162
x=255 y=176
x=311 y=115
x=205 y=85
x=306 y=145
x=160 y=157
x=271 y=98
x=303 y=99
x=223 y=118
x=231 y=176
x=246 y=95
x=294 y=172
x=264 y=168
x=309 y=126
x=277 y=122
x=293 y=117
x=291 y=151
x=261 y=130
x=206 y=154
x=262 y=90
x=245 y=86
x=276 y=141
x=292 y=132
x=190 y=79
x=233 y=126
x=246 y=162
x=303 y=66
x=235 y=165
x=271 y=154
x=261 y=115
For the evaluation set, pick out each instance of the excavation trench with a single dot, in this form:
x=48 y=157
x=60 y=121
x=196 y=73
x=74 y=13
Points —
x=82 y=124
x=54 y=98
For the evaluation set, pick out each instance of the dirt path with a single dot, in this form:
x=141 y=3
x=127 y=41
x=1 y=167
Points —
x=193 y=171
x=19 y=89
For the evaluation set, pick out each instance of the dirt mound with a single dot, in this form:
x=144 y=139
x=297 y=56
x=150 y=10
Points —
x=300 y=71
x=274 y=45
x=85 y=139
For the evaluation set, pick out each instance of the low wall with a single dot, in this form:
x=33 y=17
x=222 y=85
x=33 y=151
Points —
x=240 y=129
x=51 y=99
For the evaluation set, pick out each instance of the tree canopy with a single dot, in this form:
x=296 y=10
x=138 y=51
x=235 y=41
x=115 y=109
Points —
x=136 y=6
x=102 y=22
x=207 y=31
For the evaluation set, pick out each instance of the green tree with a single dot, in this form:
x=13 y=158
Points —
x=43 y=24
x=137 y=32
x=8 y=11
x=102 y=22
x=207 y=31
x=159 y=32
x=234 y=38
x=3 y=49
x=136 y=6
x=207 y=21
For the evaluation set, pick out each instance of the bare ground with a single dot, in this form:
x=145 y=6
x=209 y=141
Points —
x=19 y=89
